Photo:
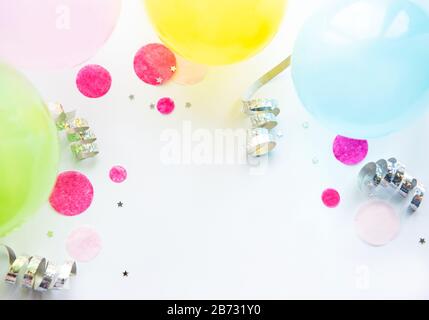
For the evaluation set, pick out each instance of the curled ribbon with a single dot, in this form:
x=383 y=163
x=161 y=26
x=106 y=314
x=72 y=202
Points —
x=81 y=138
x=39 y=274
x=261 y=137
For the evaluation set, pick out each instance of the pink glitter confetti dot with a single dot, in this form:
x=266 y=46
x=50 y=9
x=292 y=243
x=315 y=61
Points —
x=83 y=244
x=165 y=105
x=72 y=194
x=118 y=174
x=350 y=151
x=377 y=223
x=331 y=198
x=189 y=73
x=93 y=81
x=155 y=64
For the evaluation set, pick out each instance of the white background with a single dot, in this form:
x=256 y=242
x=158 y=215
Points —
x=217 y=231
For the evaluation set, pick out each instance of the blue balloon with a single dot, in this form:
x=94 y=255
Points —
x=362 y=66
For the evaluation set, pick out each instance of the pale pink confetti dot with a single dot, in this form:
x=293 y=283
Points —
x=83 y=244
x=165 y=105
x=93 y=81
x=331 y=198
x=377 y=223
x=155 y=64
x=72 y=194
x=118 y=174
x=350 y=151
x=189 y=73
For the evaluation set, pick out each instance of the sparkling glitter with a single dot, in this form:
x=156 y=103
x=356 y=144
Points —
x=93 y=81
x=153 y=64
x=377 y=223
x=165 y=105
x=331 y=198
x=189 y=73
x=350 y=151
x=72 y=194
x=83 y=244
x=118 y=174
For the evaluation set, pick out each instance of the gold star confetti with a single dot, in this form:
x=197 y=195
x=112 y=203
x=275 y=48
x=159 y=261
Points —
x=50 y=234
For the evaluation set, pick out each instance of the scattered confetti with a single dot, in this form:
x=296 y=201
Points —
x=118 y=174
x=315 y=161
x=152 y=105
x=50 y=234
x=83 y=244
x=422 y=241
x=72 y=194
x=125 y=273
x=154 y=63
x=350 y=151
x=131 y=97
x=331 y=198
x=93 y=81
x=165 y=106
x=188 y=105
x=377 y=223
x=306 y=125
x=189 y=73
x=120 y=204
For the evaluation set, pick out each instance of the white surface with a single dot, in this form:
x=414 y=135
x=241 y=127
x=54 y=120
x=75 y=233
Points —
x=218 y=231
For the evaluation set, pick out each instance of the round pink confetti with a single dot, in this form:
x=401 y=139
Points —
x=72 y=194
x=377 y=223
x=118 y=174
x=155 y=64
x=83 y=244
x=165 y=106
x=350 y=151
x=189 y=73
x=331 y=198
x=93 y=81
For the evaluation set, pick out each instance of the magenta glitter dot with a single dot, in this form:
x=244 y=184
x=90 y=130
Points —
x=165 y=105
x=72 y=194
x=83 y=244
x=155 y=64
x=331 y=198
x=118 y=174
x=350 y=151
x=93 y=81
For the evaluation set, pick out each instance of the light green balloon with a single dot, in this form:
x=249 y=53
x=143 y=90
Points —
x=29 y=150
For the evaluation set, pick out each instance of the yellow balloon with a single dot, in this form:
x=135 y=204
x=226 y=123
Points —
x=216 y=32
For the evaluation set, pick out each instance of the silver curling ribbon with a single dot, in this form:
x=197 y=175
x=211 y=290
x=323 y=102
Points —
x=38 y=273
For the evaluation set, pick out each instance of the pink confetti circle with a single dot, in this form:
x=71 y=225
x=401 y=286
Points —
x=118 y=174
x=165 y=105
x=155 y=64
x=72 y=194
x=189 y=73
x=83 y=244
x=331 y=198
x=377 y=223
x=93 y=81
x=350 y=151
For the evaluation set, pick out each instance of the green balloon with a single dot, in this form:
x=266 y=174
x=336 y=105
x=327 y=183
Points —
x=29 y=150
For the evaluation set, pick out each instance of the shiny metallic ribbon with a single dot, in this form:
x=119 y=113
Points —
x=81 y=138
x=391 y=174
x=262 y=113
x=38 y=273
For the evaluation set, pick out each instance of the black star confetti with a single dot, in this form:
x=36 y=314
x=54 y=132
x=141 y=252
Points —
x=125 y=273
x=422 y=241
x=152 y=105
x=131 y=97
x=120 y=204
